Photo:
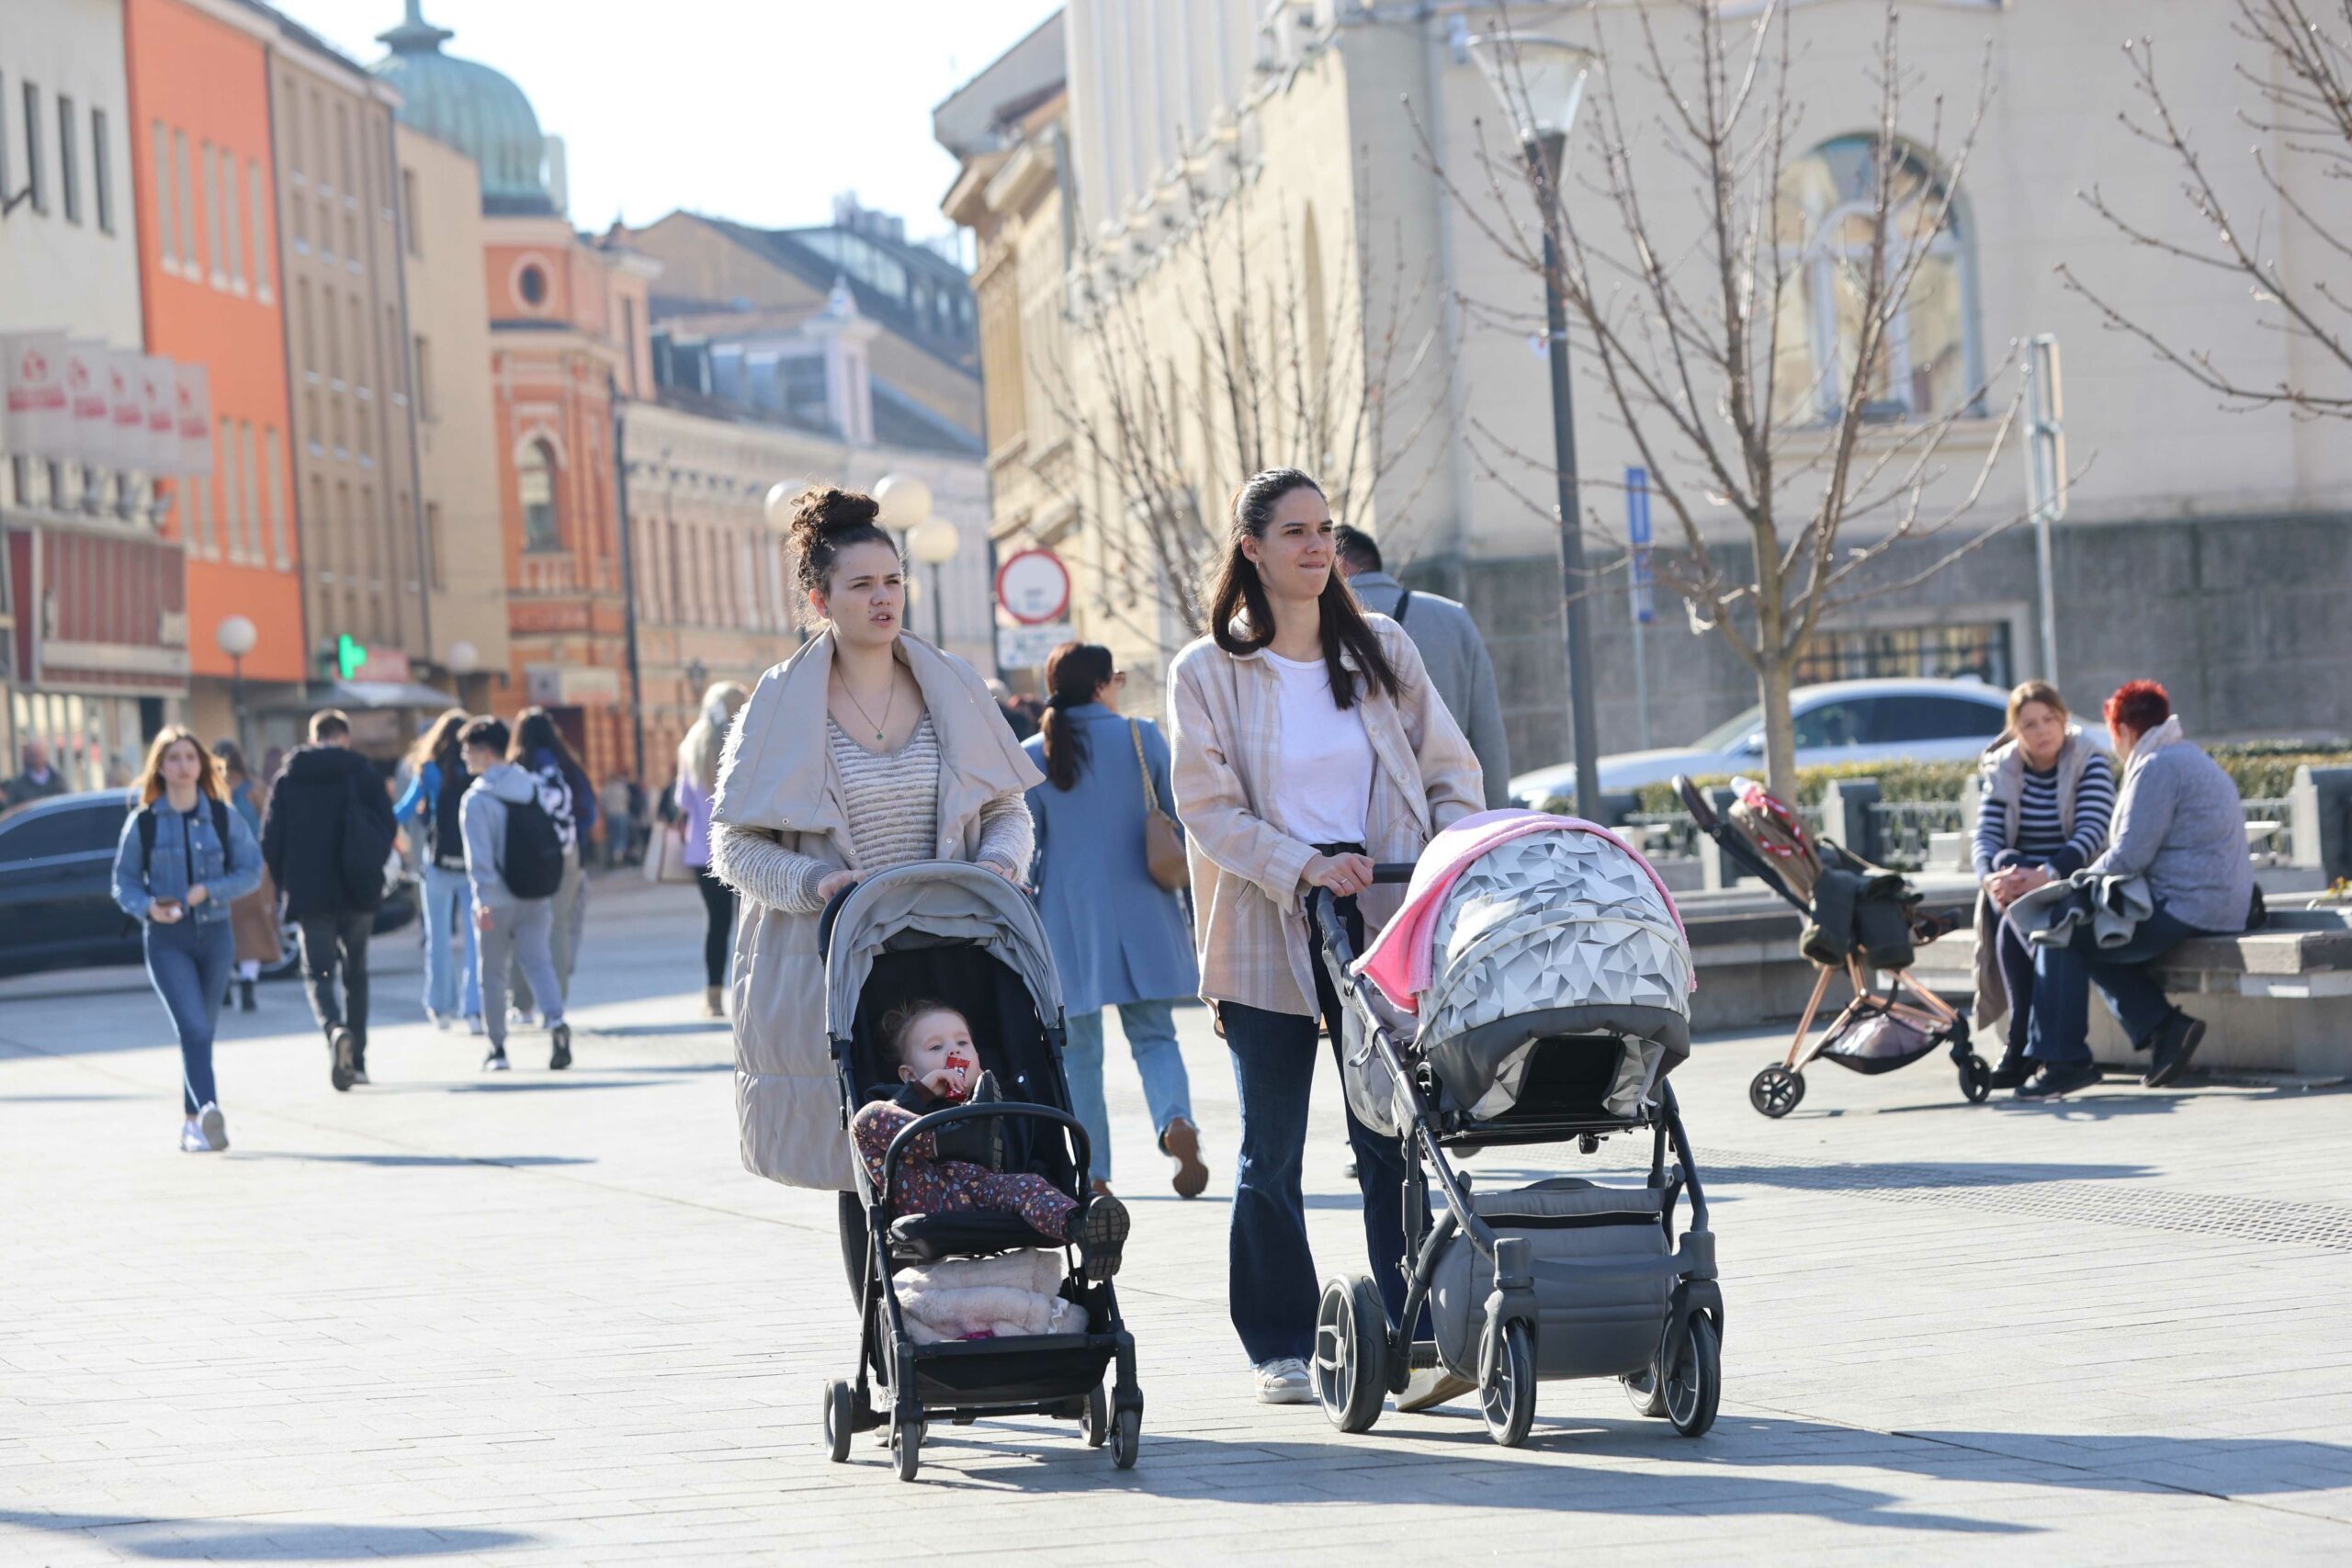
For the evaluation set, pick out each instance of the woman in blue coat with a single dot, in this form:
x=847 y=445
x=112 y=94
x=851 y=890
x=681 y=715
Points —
x=1120 y=939
x=185 y=857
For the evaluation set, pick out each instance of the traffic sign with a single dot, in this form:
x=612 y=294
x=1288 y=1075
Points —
x=1026 y=648
x=1032 y=586
x=1637 y=535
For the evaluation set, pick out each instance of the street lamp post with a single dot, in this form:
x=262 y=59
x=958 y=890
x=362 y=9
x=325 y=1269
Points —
x=777 y=508
x=1540 y=82
x=932 y=541
x=236 y=636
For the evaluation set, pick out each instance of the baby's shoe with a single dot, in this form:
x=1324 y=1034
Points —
x=1101 y=1233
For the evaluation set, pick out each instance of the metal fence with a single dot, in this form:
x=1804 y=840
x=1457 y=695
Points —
x=2270 y=826
x=1903 y=832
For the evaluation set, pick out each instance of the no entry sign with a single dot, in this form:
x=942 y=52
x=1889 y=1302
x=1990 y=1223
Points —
x=1034 y=587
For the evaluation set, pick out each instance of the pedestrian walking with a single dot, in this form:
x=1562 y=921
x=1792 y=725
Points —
x=539 y=746
x=184 y=858
x=1451 y=651
x=518 y=853
x=2178 y=825
x=612 y=805
x=434 y=804
x=39 y=781
x=325 y=837
x=2046 y=795
x=698 y=756
x=865 y=751
x=1118 y=935
x=1309 y=744
x=253 y=918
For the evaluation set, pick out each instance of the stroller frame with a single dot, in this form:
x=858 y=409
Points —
x=1054 y=1375
x=1779 y=1088
x=1360 y=1356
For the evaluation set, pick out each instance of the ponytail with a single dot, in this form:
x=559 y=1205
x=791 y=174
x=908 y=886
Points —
x=1074 y=673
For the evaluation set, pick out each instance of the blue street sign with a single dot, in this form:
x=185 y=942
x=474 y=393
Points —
x=1637 y=535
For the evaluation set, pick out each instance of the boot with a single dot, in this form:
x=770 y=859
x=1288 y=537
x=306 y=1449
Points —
x=2014 y=1069
x=245 y=996
x=714 y=1002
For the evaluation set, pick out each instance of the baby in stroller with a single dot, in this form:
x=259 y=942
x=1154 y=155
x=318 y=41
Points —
x=931 y=1043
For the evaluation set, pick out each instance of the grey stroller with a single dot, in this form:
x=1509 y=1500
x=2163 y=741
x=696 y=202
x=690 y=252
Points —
x=1558 y=1001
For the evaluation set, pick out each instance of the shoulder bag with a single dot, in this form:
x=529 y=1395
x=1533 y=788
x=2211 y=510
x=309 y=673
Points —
x=1163 y=841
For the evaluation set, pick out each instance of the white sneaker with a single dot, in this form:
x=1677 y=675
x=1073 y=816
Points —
x=1283 y=1381
x=496 y=1061
x=214 y=1126
x=473 y=1024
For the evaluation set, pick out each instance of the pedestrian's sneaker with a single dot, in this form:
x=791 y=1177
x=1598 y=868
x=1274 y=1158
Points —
x=342 y=1052
x=192 y=1140
x=1283 y=1381
x=473 y=1024
x=359 y=1079
x=214 y=1126
x=2058 y=1078
x=560 y=1057
x=519 y=1018
x=440 y=1022
x=2174 y=1042
x=496 y=1061
x=1181 y=1143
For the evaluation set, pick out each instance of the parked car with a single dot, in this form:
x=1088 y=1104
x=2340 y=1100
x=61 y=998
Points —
x=1838 y=722
x=57 y=907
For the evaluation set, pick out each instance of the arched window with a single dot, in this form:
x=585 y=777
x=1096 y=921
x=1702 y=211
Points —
x=535 y=481
x=1823 y=220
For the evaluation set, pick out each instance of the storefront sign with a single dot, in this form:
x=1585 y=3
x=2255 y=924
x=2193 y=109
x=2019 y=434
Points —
x=90 y=411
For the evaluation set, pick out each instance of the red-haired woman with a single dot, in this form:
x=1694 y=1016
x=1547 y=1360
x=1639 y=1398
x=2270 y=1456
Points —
x=2178 y=824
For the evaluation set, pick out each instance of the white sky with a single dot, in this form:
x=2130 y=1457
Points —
x=758 y=110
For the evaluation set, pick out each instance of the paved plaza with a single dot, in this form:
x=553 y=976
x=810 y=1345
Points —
x=548 y=1318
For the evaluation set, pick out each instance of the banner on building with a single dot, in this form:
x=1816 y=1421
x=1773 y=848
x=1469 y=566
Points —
x=33 y=390
x=161 y=428
x=89 y=409
x=192 y=397
x=127 y=397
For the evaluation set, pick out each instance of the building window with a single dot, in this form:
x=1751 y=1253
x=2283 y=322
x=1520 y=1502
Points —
x=233 y=229
x=232 y=511
x=102 y=170
x=184 y=221
x=414 y=235
x=535 y=479
x=253 y=523
x=216 y=226
x=196 y=524
x=279 y=532
x=69 y=159
x=1929 y=364
x=531 y=283
x=343 y=147
x=36 y=175
x=257 y=210
x=427 y=405
x=166 y=240
x=1943 y=652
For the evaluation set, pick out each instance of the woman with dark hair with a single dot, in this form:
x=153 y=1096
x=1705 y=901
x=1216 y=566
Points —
x=184 y=859
x=539 y=747
x=865 y=750
x=698 y=756
x=1118 y=936
x=253 y=919
x=1309 y=746
x=435 y=797
x=2179 y=825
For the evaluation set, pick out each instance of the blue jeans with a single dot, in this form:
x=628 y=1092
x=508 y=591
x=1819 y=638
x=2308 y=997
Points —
x=1150 y=1028
x=448 y=909
x=2059 y=1030
x=189 y=965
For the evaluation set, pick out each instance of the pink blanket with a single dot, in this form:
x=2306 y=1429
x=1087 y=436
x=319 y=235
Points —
x=1399 y=959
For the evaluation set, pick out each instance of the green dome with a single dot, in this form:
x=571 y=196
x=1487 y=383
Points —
x=473 y=109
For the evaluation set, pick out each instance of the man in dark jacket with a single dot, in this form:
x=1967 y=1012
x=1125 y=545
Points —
x=38 y=782
x=327 y=794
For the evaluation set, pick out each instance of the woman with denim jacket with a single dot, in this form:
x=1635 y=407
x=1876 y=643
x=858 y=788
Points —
x=185 y=857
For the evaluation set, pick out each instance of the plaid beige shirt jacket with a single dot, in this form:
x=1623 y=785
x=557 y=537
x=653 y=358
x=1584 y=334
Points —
x=1249 y=921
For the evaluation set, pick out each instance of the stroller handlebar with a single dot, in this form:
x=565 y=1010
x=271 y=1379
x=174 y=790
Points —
x=1323 y=911
x=1695 y=801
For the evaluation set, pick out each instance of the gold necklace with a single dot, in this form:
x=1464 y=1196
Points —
x=888 y=703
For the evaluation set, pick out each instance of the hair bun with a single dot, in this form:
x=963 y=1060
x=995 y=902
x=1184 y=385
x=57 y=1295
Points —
x=817 y=513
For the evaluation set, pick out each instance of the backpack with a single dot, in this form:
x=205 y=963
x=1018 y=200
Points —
x=365 y=845
x=147 y=834
x=533 y=865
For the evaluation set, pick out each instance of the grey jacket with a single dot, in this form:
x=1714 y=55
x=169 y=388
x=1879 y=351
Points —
x=2178 y=823
x=2112 y=907
x=1459 y=668
x=483 y=814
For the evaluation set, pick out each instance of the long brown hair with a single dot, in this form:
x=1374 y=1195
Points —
x=1074 y=673
x=439 y=744
x=1239 y=588
x=149 y=785
x=534 y=730
x=2035 y=691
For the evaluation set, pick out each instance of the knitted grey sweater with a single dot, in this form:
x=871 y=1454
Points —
x=892 y=800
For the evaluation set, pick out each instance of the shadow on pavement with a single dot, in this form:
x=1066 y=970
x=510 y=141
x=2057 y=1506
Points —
x=61 y=1099
x=404 y=1160
x=1875 y=1175
x=503 y=1084
x=628 y=1030
x=227 y=1540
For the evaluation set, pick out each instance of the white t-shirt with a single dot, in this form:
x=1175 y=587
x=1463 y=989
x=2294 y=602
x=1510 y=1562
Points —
x=1323 y=792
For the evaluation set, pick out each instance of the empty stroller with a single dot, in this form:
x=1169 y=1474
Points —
x=1862 y=921
x=960 y=934
x=1558 y=1000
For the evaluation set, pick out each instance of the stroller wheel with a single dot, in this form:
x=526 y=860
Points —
x=1096 y=1421
x=1696 y=1385
x=907 y=1438
x=1776 y=1091
x=1350 y=1368
x=840 y=1421
x=1507 y=1400
x=1643 y=1391
x=1975 y=1080
x=1126 y=1439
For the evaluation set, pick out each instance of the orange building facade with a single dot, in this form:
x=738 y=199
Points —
x=205 y=182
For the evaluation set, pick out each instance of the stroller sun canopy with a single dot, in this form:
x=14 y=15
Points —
x=945 y=900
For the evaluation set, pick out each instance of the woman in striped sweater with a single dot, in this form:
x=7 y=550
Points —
x=2046 y=795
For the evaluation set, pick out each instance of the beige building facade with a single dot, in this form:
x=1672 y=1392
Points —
x=2195 y=541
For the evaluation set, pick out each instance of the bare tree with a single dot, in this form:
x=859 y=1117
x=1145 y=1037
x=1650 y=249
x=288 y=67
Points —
x=2300 y=96
x=1259 y=363
x=1693 y=276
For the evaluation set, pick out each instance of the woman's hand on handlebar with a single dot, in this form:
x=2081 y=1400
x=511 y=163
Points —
x=1345 y=876
x=838 y=881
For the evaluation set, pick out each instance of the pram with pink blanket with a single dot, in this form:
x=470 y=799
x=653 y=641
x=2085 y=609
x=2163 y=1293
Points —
x=1534 y=989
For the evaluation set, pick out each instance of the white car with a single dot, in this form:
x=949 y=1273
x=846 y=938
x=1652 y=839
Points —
x=1840 y=722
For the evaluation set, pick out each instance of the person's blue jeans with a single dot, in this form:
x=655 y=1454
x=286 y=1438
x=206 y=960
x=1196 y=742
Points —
x=1150 y=1028
x=189 y=965
x=2063 y=975
x=452 y=986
